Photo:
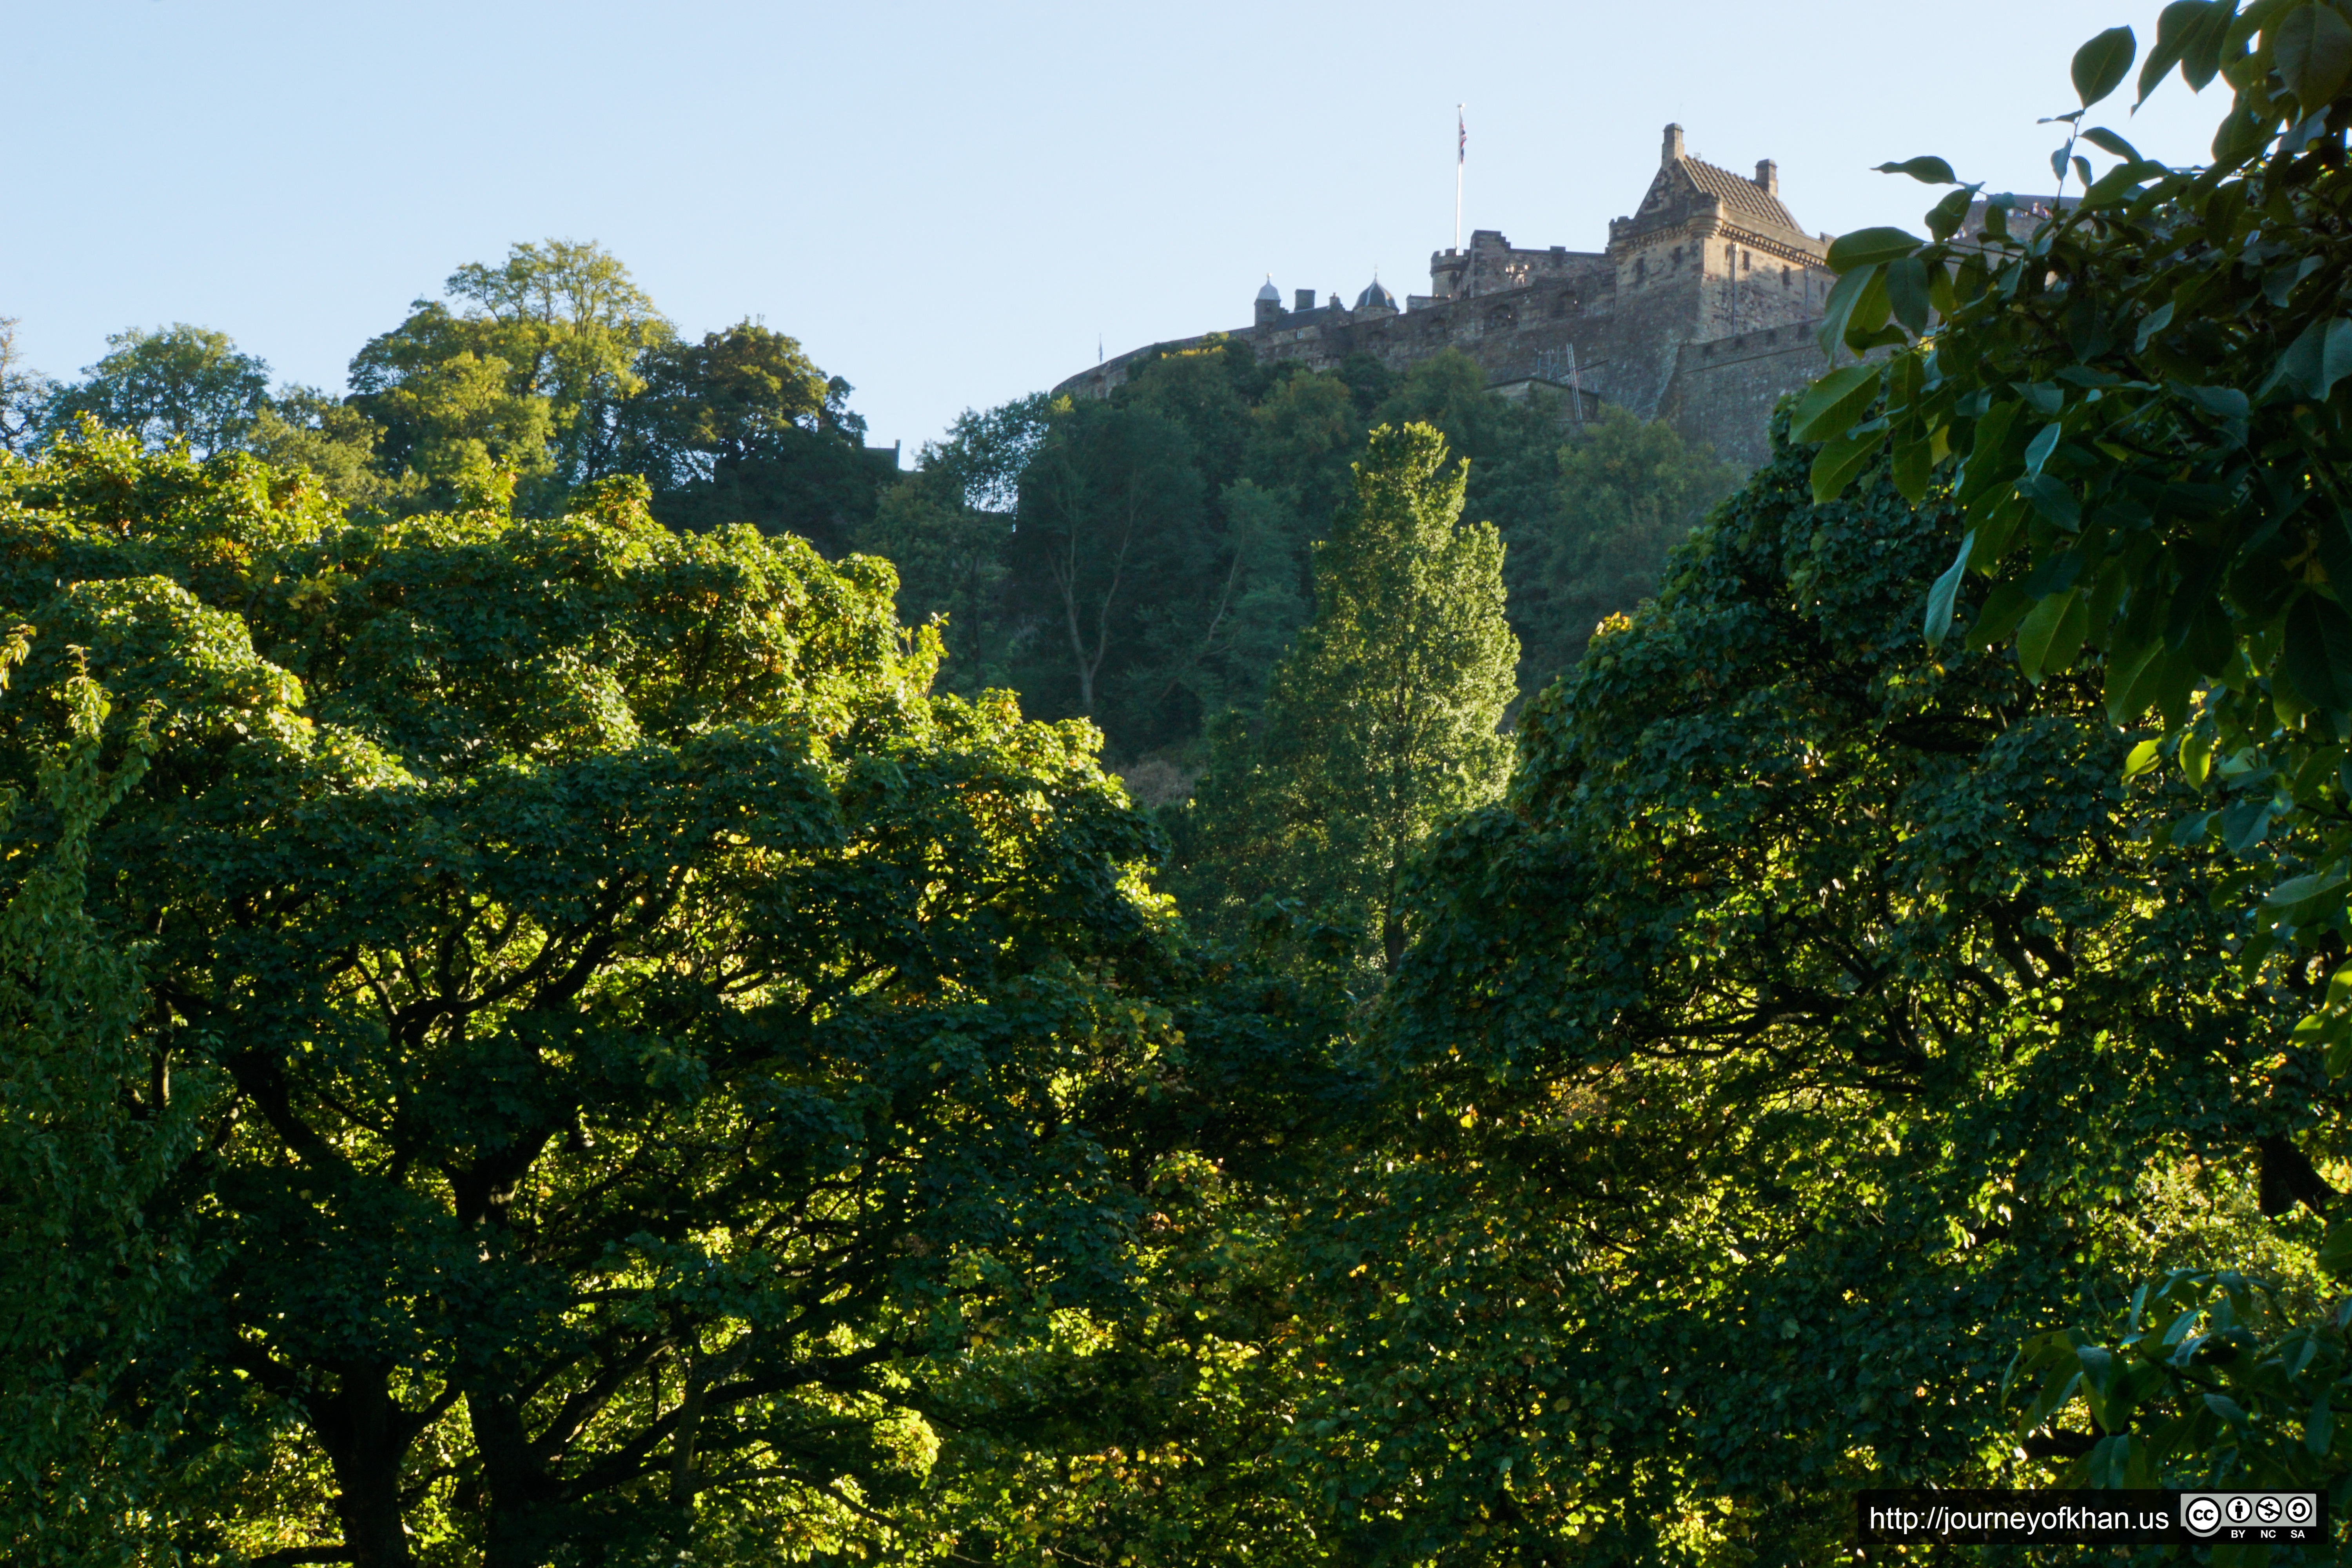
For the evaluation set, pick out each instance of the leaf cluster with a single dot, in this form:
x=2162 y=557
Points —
x=660 y=1042
x=1816 y=1019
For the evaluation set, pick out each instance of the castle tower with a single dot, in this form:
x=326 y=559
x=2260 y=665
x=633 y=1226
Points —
x=1715 y=251
x=1449 y=273
x=1269 y=303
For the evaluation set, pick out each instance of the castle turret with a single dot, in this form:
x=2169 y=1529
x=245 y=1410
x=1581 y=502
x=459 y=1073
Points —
x=1377 y=299
x=1269 y=303
x=1449 y=273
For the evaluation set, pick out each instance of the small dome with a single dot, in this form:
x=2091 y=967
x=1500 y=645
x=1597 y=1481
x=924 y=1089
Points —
x=1270 y=291
x=1376 y=295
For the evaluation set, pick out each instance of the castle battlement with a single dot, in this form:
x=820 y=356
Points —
x=1708 y=258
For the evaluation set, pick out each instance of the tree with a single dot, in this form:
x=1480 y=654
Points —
x=2179 y=449
x=743 y=427
x=1382 y=720
x=1511 y=446
x=947 y=528
x=1215 y=460
x=1220 y=644
x=529 y=373
x=1111 y=517
x=2138 y=409
x=1304 y=434
x=456 y=432
x=95 y=1124
x=178 y=383
x=1816 y=1019
x=1627 y=493
x=1226 y=573
x=660 y=1042
x=302 y=427
x=24 y=395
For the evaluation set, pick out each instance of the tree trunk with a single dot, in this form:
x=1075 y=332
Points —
x=366 y=1435
x=517 y=1521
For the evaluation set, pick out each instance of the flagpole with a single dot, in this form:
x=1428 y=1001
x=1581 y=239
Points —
x=1461 y=152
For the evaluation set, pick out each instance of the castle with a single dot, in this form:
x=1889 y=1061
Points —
x=1701 y=311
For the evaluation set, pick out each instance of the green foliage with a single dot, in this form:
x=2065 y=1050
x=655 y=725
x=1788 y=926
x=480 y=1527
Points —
x=1382 y=720
x=1628 y=493
x=93 y=1121
x=2137 y=396
x=527 y=374
x=1155 y=615
x=661 y=1044
x=1114 y=525
x=1815 y=1019
x=743 y=427
x=175 y=383
x=2208 y=1378
x=948 y=529
x=303 y=427
x=554 y=371
x=2137 y=409
x=457 y=431
x=23 y=395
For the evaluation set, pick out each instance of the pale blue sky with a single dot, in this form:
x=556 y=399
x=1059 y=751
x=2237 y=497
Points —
x=947 y=204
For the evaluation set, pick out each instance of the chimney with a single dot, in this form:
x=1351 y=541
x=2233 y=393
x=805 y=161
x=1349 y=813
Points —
x=1302 y=298
x=1673 y=149
x=1768 y=174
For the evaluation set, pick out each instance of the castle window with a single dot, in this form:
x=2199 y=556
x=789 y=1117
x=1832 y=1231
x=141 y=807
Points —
x=1784 y=278
x=1747 y=261
x=1641 y=268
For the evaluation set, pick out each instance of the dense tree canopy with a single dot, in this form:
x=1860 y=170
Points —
x=1628 y=493
x=654 y=1033
x=548 y=371
x=90 y=1141
x=743 y=426
x=1146 y=560
x=527 y=368
x=2143 y=401
x=1815 y=1020
x=545 y=1026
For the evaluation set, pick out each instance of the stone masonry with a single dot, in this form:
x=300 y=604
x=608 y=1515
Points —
x=1701 y=311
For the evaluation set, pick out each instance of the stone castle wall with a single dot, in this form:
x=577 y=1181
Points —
x=1700 y=311
x=1722 y=391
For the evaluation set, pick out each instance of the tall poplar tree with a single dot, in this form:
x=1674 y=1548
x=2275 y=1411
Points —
x=1383 y=718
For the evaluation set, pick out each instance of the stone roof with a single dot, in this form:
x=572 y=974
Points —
x=1741 y=196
